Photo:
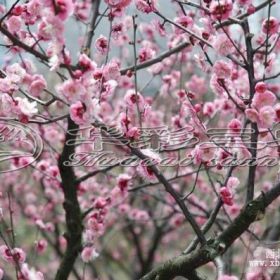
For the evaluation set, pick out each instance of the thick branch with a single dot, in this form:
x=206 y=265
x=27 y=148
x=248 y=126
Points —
x=183 y=265
x=71 y=206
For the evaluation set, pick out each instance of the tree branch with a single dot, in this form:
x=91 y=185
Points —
x=183 y=265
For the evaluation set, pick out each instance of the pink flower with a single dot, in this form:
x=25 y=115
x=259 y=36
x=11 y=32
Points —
x=146 y=6
x=101 y=44
x=37 y=85
x=112 y=71
x=73 y=90
x=25 y=107
x=108 y=88
x=139 y=215
x=64 y=8
x=34 y=7
x=89 y=254
x=252 y=115
x=146 y=53
x=261 y=87
x=234 y=126
x=277 y=112
x=222 y=69
x=118 y=3
x=220 y=9
x=184 y=21
x=251 y=9
x=86 y=63
x=123 y=181
x=100 y=203
x=79 y=113
x=223 y=45
x=270 y=26
x=266 y=116
x=262 y=99
x=209 y=109
x=244 y=2
x=15 y=73
x=30 y=273
x=117 y=30
x=14 y=24
x=19 y=255
x=131 y=99
x=227 y=277
x=6 y=104
x=16 y=255
x=258 y=274
x=2 y=9
x=41 y=246
x=133 y=133
x=51 y=27
x=204 y=153
x=197 y=85
x=144 y=168
x=232 y=182
x=1 y=273
x=226 y=196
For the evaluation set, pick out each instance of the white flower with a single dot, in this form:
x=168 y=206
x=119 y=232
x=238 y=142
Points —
x=27 y=108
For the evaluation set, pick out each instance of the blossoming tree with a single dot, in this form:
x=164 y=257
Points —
x=150 y=154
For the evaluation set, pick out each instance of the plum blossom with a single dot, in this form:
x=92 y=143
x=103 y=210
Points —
x=37 y=85
x=146 y=6
x=25 y=107
x=270 y=26
x=89 y=254
x=227 y=277
x=30 y=273
x=102 y=44
x=232 y=182
x=133 y=133
x=277 y=112
x=15 y=73
x=118 y=3
x=79 y=113
x=111 y=71
x=51 y=27
x=15 y=255
x=131 y=99
x=14 y=24
x=222 y=69
x=265 y=117
x=2 y=9
x=226 y=196
x=223 y=45
x=262 y=99
x=234 y=126
x=220 y=9
x=64 y=8
x=72 y=90
x=6 y=104
x=117 y=30
x=146 y=53
x=108 y=88
x=197 y=85
x=123 y=181
x=86 y=63
x=34 y=7
x=41 y=246
x=261 y=87
x=185 y=21
x=203 y=153
x=144 y=168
